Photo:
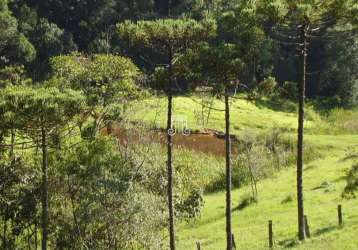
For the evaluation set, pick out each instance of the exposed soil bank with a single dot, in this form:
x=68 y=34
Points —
x=209 y=142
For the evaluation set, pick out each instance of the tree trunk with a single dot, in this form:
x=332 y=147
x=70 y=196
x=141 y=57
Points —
x=12 y=149
x=44 y=216
x=228 y=172
x=5 y=233
x=35 y=235
x=300 y=208
x=169 y=156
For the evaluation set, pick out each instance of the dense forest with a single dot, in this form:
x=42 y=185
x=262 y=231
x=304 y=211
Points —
x=94 y=95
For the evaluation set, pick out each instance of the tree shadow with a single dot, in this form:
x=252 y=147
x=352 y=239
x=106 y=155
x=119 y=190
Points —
x=276 y=104
x=349 y=157
x=325 y=230
x=341 y=178
x=288 y=243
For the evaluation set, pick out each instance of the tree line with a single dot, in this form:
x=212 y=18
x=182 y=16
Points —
x=35 y=31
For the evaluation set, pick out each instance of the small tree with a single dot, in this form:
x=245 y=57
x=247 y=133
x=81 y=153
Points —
x=168 y=38
x=108 y=82
x=223 y=66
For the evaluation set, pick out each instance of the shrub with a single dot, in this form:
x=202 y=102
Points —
x=261 y=155
x=287 y=199
x=246 y=201
x=289 y=90
x=352 y=182
x=267 y=86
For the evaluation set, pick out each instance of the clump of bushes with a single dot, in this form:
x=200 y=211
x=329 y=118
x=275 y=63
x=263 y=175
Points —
x=268 y=86
x=246 y=201
x=339 y=121
x=352 y=182
x=289 y=90
x=261 y=155
x=287 y=199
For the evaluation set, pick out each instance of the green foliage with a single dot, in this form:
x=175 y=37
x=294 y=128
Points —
x=338 y=121
x=191 y=207
x=47 y=37
x=170 y=40
x=108 y=82
x=246 y=201
x=105 y=79
x=194 y=173
x=14 y=45
x=102 y=194
x=352 y=182
x=217 y=66
x=260 y=156
x=341 y=61
x=18 y=199
x=42 y=106
x=13 y=76
x=268 y=86
x=165 y=34
x=289 y=90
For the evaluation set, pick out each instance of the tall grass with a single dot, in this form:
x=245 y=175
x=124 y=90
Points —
x=262 y=155
x=337 y=121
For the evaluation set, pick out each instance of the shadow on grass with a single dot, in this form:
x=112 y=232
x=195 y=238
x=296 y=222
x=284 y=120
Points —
x=245 y=202
x=325 y=230
x=289 y=243
x=350 y=157
x=293 y=242
x=309 y=167
x=276 y=104
x=339 y=179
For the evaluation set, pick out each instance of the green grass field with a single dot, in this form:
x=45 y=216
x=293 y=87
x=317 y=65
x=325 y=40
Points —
x=250 y=224
x=323 y=182
x=244 y=114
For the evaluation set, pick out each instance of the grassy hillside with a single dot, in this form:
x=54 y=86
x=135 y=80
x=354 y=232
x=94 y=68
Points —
x=323 y=182
x=323 y=178
x=244 y=114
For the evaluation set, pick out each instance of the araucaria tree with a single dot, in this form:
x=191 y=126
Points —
x=40 y=113
x=223 y=66
x=300 y=22
x=168 y=38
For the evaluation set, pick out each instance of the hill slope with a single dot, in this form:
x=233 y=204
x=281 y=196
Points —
x=323 y=178
x=323 y=185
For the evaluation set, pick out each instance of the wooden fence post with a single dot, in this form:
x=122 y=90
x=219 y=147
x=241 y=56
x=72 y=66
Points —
x=233 y=241
x=307 y=228
x=340 y=217
x=270 y=234
x=198 y=245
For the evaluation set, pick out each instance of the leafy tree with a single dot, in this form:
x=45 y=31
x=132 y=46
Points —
x=340 y=58
x=108 y=205
x=108 y=82
x=243 y=23
x=168 y=38
x=14 y=45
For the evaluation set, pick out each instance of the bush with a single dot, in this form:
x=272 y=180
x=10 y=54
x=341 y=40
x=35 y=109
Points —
x=267 y=86
x=194 y=173
x=339 y=121
x=287 y=199
x=289 y=90
x=247 y=200
x=261 y=156
x=352 y=182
